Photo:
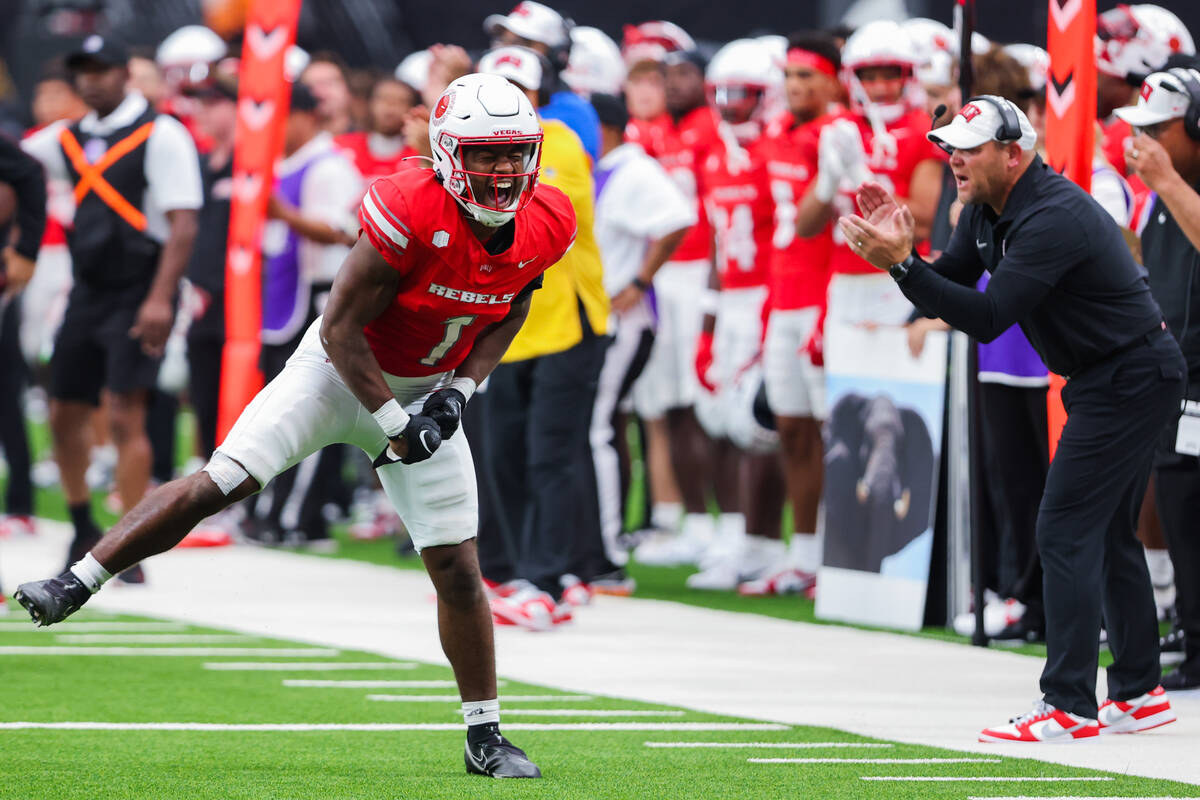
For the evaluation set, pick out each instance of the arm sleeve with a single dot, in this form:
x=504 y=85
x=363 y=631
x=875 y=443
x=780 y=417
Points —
x=960 y=262
x=381 y=217
x=331 y=191
x=172 y=167
x=1039 y=253
x=25 y=175
x=656 y=206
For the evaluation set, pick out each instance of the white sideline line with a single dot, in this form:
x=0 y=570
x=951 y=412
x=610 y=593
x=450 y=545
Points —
x=278 y=652
x=390 y=726
x=310 y=666
x=780 y=745
x=588 y=712
x=307 y=684
x=154 y=638
x=453 y=698
x=874 y=760
x=993 y=779
x=95 y=627
x=1071 y=797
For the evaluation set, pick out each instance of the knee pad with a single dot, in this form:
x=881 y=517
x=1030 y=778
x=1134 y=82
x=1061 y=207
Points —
x=226 y=473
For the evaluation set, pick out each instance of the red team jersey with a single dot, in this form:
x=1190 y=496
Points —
x=891 y=169
x=682 y=149
x=799 y=266
x=451 y=288
x=369 y=165
x=738 y=202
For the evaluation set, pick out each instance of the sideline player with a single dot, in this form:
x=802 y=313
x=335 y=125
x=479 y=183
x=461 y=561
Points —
x=421 y=311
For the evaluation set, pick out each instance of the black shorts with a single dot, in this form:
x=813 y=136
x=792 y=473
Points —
x=94 y=351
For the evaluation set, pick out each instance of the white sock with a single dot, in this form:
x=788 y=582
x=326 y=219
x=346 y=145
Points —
x=481 y=712
x=804 y=552
x=666 y=516
x=90 y=573
x=699 y=526
x=1162 y=571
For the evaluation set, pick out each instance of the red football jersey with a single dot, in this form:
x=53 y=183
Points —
x=451 y=288
x=370 y=166
x=799 y=266
x=682 y=150
x=1116 y=134
x=891 y=167
x=737 y=199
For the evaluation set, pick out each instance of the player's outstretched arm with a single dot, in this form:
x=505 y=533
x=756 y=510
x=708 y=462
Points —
x=492 y=342
x=364 y=287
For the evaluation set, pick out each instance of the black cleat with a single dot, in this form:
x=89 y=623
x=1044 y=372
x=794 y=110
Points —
x=497 y=757
x=53 y=599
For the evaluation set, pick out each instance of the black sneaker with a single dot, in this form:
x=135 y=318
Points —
x=53 y=599
x=497 y=757
x=1180 y=680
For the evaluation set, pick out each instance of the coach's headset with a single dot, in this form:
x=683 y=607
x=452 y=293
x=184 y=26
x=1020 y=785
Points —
x=1191 y=87
x=1010 y=124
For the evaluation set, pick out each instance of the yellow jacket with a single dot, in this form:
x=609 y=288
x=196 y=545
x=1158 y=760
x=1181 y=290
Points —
x=553 y=324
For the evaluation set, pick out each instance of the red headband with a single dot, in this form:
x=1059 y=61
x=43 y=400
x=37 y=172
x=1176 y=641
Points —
x=807 y=58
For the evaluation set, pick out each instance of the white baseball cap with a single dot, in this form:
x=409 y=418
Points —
x=518 y=64
x=980 y=121
x=532 y=21
x=1163 y=96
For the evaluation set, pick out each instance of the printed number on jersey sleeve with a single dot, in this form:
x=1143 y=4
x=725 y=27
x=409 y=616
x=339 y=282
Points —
x=454 y=329
x=736 y=241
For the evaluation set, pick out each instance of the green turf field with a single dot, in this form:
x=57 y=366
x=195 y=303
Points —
x=587 y=760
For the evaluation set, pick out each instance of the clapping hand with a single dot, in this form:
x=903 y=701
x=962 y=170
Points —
x=885 y=236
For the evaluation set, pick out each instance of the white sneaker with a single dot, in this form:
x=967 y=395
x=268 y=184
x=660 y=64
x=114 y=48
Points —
x=997 y=616
x=1139 y=714
x=1044 y=723
x=720 y=577
x=674 y=550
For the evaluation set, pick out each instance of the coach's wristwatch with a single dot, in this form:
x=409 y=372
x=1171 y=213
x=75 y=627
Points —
x=900 y=271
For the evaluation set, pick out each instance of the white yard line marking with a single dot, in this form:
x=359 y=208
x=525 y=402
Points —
x=389 y=726
x=873 y=760
x=780 y=745
x=311 y=666
x=223 y=652
x=95 y=627
x=154 y=638
x=987 y=779
x=307 y=684
x=504 y=698
x=588 y=712
x=1071 y=797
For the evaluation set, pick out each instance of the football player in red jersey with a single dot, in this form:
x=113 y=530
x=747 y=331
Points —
x=882 y=138
x=799 y=273
x=667 y=389
x=421 y=311
x=381 y=151
x=737 y=197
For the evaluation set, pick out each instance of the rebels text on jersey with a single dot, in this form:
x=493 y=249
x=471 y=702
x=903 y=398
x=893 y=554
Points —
x=891 y=162
x=799 y=265
x=450 y=288
x=682 y=149
x=739 y=207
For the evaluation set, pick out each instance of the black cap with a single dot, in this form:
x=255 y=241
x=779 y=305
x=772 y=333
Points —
x=215 y=88
x=611 y=110
x=98 y=50
x=303 y=98
x=693 y=56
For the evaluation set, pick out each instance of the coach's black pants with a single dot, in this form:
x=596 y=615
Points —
x=14 y=439
x=538 y=486
x=1085 y=529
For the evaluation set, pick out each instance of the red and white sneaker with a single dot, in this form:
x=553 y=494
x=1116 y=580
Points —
x=787 y=581
x=1151 y=710
x=530 y=608
x=1044 y=723
x=3 y=605
x=576 y=593
x=14 y=524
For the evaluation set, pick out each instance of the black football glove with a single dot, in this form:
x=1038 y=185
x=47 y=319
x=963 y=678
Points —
x=445 y=407
x=423 y=438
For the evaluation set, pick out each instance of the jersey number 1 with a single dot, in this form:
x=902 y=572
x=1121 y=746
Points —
x=454 y=328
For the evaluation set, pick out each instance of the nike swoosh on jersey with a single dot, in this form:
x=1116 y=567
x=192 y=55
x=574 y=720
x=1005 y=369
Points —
x=521 y=264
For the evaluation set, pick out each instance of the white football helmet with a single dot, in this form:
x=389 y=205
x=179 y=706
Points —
x=485 y=110
x=414 y=69
x=1034 y=59
x=880 y=44
x=740 y=76
x=929 y=35
x=190 y=44
x=595 y=65
x=1133 y=41
x=651 y=41
x=751 y=423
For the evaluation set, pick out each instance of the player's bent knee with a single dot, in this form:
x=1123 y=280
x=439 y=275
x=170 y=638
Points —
x=230 y=477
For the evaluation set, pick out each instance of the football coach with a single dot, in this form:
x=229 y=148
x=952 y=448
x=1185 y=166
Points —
x=1060 y=269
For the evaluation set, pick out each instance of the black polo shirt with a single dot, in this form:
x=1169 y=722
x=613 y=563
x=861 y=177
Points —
x=1172 y=262
x=1059 y=268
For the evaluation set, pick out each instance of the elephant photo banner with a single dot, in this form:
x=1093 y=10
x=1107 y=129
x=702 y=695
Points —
x=882 y=450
